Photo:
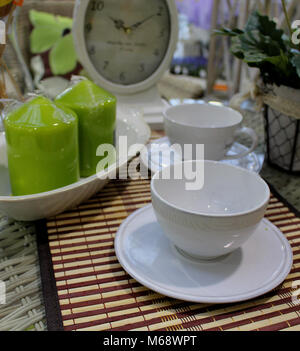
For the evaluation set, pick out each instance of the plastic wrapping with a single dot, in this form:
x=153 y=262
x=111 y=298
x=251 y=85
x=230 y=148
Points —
x=42 y=146
x=96 y=111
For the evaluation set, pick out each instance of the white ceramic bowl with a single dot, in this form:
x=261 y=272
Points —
x=51 y=203
x=216 y=219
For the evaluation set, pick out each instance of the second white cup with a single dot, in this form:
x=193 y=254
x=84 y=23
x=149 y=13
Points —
x=215 y=127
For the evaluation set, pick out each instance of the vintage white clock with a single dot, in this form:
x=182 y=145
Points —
x=126 y=46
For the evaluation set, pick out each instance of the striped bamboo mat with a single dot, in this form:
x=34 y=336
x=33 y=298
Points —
x=85 y=288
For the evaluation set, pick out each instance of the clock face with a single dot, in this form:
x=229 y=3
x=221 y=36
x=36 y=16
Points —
x=127 y=40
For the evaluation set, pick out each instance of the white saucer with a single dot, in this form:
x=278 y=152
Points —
x=157 y=156
x=255 y=269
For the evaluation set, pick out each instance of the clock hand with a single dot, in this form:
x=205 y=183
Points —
x=119 y=24
x=138 y=24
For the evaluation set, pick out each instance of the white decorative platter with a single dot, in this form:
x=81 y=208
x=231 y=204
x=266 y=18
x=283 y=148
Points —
x=48 y=204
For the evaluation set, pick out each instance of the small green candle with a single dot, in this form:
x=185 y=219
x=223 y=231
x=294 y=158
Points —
x=42 y=147
x=96 y=111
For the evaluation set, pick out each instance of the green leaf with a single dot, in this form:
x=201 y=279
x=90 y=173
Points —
x=265 y=26
x=48 y=29
x=229 y=32
x=43 y=38
x=38 y=18
x=65 y=22
x=281 y=62
x=236 y=48
x=255 y=41
x=267 y=48
x=63 y=57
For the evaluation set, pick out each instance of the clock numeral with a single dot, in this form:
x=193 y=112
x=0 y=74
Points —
x=105 y=65
x=122 y=77
x=88 y=27
x=156 y=52
x=92 y=50
x=161 y=33
x=97 y=5
x=160 y=10
x=142 y=67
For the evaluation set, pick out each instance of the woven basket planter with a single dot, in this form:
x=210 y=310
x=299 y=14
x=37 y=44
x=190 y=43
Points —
x=282 y=128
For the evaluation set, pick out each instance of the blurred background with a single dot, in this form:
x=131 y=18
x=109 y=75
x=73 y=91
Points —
x=203 y=58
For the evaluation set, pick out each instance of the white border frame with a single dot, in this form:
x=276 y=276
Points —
x=78 y=34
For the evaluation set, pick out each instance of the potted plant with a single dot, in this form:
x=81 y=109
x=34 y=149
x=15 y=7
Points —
x=262 y=45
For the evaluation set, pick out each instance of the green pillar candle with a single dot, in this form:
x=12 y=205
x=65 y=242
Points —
x=42 y=147
x=96 y=111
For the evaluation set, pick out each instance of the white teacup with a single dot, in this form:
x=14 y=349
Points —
x=215 y=127
x=218 y=218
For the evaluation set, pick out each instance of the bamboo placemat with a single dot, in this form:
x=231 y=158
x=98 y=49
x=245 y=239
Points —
x=85 y=288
